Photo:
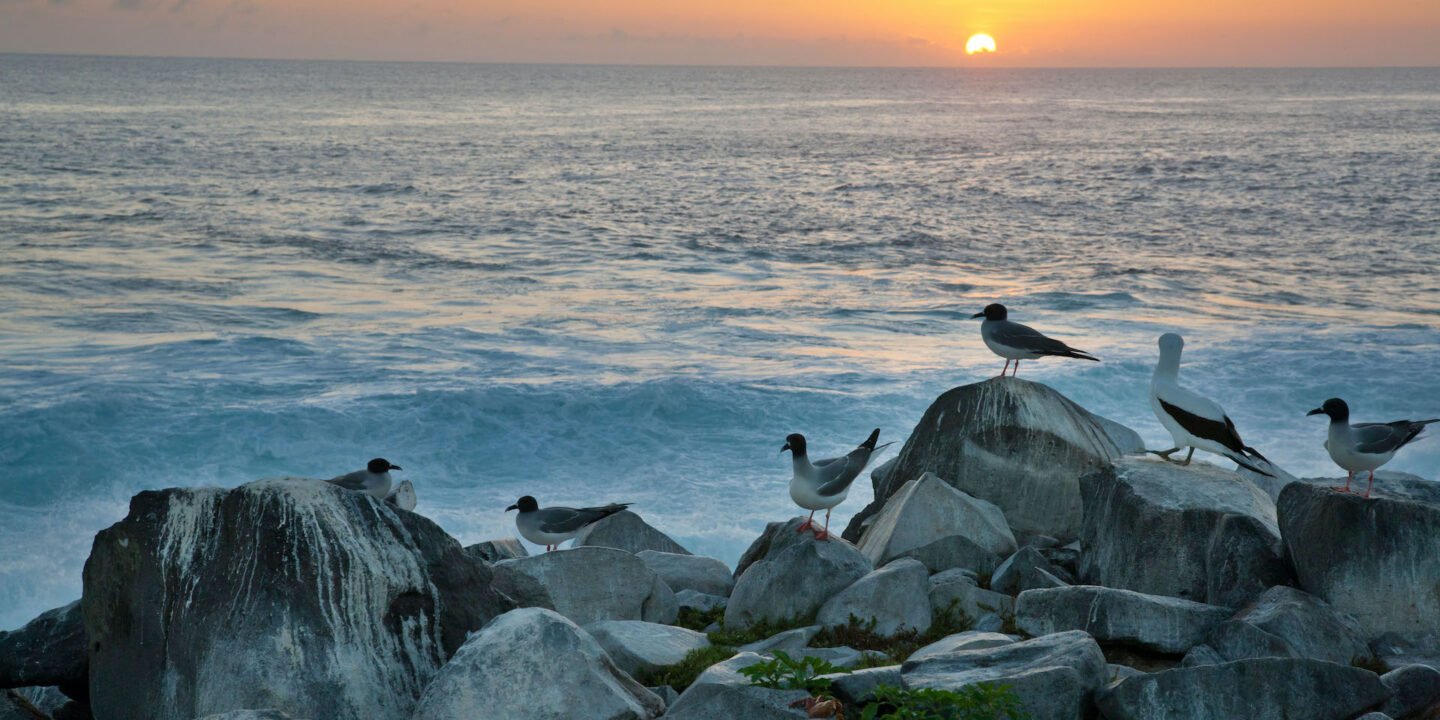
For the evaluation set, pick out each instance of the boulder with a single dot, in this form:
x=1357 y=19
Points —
x=722 y=692
x=1055 y=676
x=1220 y=542
x=960 y=590
x=927 y=509
x=1258 y=689
x=627 y=531
x=699 y=601
x=858 y=687
x=895 y=597
x=500 y=549
x=590 y=584
x=403 y=497
x=1285 y=622
x=1375 y=559
x=534 y=664
x=1025 y=570
x=252 y=714
x=1015 y=443
x=1374 y=716
x=1123 y=617
x=14 y=706
x=776 y=537
x=1414 y=689
x=792 y=641
x=47 y=699
x=638 y=646
x=289 y=594
x=49 y=650
x=968 y=640
x=955 y=551
x=689 y=572
x=1395 y=650
x=794 y=583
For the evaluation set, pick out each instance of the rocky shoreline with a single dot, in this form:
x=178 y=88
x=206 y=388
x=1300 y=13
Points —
x=1019 y=555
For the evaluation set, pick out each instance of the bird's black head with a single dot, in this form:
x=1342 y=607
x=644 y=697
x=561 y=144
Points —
x=1335 y=408
x=524 y=504
x=993 y=311
x=795 y=443
x=380 y=465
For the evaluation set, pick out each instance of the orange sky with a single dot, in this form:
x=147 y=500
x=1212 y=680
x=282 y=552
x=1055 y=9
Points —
x=744 y=32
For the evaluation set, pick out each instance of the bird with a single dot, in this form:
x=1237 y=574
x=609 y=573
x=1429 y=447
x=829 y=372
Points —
x=1365 y=446
x=1195 y=421
x=823 y=484
x=374 y=479
x=554 y=525
x=1013 y=341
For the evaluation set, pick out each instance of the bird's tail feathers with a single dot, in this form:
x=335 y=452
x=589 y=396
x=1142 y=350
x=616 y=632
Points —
x=1077 y=354
x=1252 y=452
x=870 y=441
x=1244 y=462
x=878 y=448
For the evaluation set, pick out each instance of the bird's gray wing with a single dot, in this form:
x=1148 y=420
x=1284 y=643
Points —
x=1025 y=337
x=350 y=481
x=837 y=473
x=563 y=519
x=1381 y=438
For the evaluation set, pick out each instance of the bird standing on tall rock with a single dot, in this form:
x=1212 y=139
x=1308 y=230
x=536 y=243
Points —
x=1013 y=341
x=374 y=479
x=554 y=525
x=1365 y=446
x=823 y=484
x=1194 y=421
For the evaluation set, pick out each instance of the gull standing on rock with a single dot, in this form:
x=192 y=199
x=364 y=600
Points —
x=824 y=484
x=1365 y=446
x=1013 y=341
x=554 y=525
x=1194 y=421
x=374 y=479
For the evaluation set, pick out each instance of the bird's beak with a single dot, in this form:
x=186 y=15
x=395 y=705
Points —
x=786 y=447
x=977 y=315
x=512 y=507
x=396 y=467
x=1316 y=411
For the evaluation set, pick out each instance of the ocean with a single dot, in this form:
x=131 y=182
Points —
x=596 y=284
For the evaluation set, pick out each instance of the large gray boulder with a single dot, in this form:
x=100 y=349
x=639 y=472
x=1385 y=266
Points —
x=1025 y=570
x=722 y=692
x=1376 y=559
x=1414 y=689
x=1015 y=443
x=627 y=531
x=534 y=664
x=895 y=597
x=497 y=550
x=776 y=537
x=1124 y=617
x=955 y=551
x=1260 y=689
x=590 y=584
x=49 y=650
x=794 y=583
x=968 y=640
x=960 y=590
x=14 y=706
x=638 y=646
x=291 y=594
x=927 y=509
x=1221 y=544
x=1286 y=622
x=1055 y=676
x=689 y=572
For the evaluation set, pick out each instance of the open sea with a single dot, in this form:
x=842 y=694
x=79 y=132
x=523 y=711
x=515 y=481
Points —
x=595 y=284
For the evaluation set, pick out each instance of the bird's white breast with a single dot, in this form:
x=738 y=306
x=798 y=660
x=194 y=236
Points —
x=1342 y=450
x=1005 y=351
x=805 y=491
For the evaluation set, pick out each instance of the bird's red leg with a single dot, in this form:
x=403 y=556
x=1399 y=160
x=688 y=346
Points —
x=1016 y=370
x=824 y=534
x=1007 y=367
x=1371 y=484
x=1349 y=476
x=809 y=523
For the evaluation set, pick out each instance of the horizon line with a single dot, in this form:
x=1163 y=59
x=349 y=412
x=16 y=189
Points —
x=718 y=66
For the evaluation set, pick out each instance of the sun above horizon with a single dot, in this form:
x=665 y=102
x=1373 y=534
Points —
x=979 y=42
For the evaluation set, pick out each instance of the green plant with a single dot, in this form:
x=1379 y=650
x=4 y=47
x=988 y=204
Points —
x=786 y=673
x=682 y=674
x=696 y=619
x=861 y=635
x=758 y=631
x=974 y=702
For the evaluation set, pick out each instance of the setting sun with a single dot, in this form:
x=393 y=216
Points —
x=979 y=42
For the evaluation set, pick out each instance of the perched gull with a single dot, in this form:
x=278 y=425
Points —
x=554 y=525
x=1194 y=421
x=823 y=484
x=1364 y=446
x=374 y=479
x=1013 y=341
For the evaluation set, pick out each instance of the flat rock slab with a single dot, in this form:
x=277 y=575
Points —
x=627 y=531
x=1015 y=443
x=590 y=584
x=1376 y=559
x=1055 y=676
x=968 y=640
x=1261 y=689
x=533 y=664
x=927 y=509
x=794 y=583
x=1286 y=622
x=689 y=572
x=895 y=597
x=1198 y=532
x=1153 y=622
x=638 y=646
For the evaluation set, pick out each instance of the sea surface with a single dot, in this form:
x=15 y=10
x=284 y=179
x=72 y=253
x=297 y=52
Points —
x=595 y=284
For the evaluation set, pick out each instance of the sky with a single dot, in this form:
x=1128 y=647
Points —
x=1028 y=33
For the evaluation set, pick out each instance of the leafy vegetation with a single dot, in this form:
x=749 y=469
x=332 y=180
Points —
x=682 y=674
x=976 y=702
x=861 y=635
x=696 y=619
x=787 y=673
x=758 y=631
